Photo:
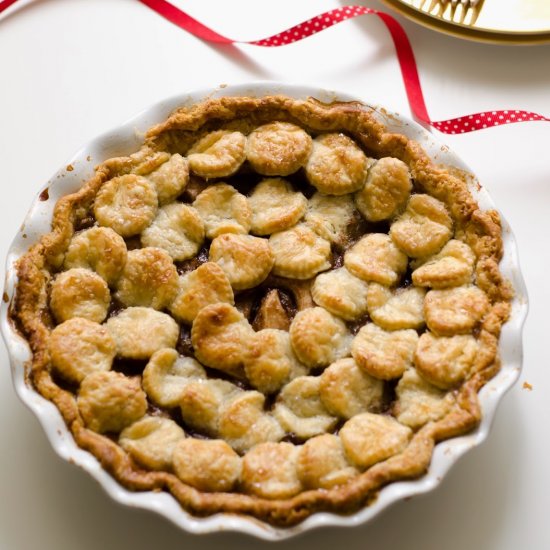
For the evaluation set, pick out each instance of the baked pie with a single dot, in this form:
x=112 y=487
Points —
x=275 y=307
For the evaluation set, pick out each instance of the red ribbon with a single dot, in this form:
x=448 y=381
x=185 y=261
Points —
x=405 y=55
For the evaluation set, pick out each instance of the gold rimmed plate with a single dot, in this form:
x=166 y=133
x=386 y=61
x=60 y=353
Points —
x=498 y=21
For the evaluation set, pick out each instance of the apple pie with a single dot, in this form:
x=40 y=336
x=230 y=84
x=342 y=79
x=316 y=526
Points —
x=274 y=307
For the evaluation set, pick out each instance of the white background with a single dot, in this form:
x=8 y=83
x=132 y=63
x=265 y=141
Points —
x=70 y=70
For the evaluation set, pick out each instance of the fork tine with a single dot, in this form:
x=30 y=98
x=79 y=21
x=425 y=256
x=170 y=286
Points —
x=430 y=7
x=475 y=12
x=454 y=8
x=435 y=3
x=478 y=6
x=463 y=12
x=446 y=11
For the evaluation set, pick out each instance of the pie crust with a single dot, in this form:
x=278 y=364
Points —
x=313 y=356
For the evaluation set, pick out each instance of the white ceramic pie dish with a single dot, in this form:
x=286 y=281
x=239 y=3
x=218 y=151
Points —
x=126 y=139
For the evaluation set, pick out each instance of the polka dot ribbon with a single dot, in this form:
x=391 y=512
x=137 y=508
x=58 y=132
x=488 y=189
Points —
x=405 y=55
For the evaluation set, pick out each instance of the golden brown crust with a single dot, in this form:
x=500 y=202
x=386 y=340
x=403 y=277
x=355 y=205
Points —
x=126 y=204
x=141 y=331
x=109 y=401
x=166 y=375
x=206 y=285
x=299 y=252
x=149 y=279
x=330 y=216
x=452 y=266
x=79 y=292
x=223 y=210
x=337 y=165
x=278 y=149
x=370 y=438
x=423 y=228
x=445 y=361
x=318 y=338
x=79 y=347
x=269 y=471
x=151 y=441
x=347 y=390
x=397 y=310
x=170 y=178
x=419 y=402
x=269 y=361
x=376 y=258
x=275 y=206
x=246 y=260
x=341 y=293
x=207 y=465
x=480 y=230
x=384 y=354
x=243 y=423
x=300 y=411
x=219 y=335
x=218 y=154
x=100 y=249
x=456 y=310
x=322 y=463
x=178 y=229
x=386 y=190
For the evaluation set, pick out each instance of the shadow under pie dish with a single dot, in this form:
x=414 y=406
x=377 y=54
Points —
x=272 y=307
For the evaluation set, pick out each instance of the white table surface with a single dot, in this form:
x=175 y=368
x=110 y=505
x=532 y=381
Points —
x=70 y=70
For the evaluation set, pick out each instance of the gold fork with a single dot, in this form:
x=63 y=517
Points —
x=464 y=12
